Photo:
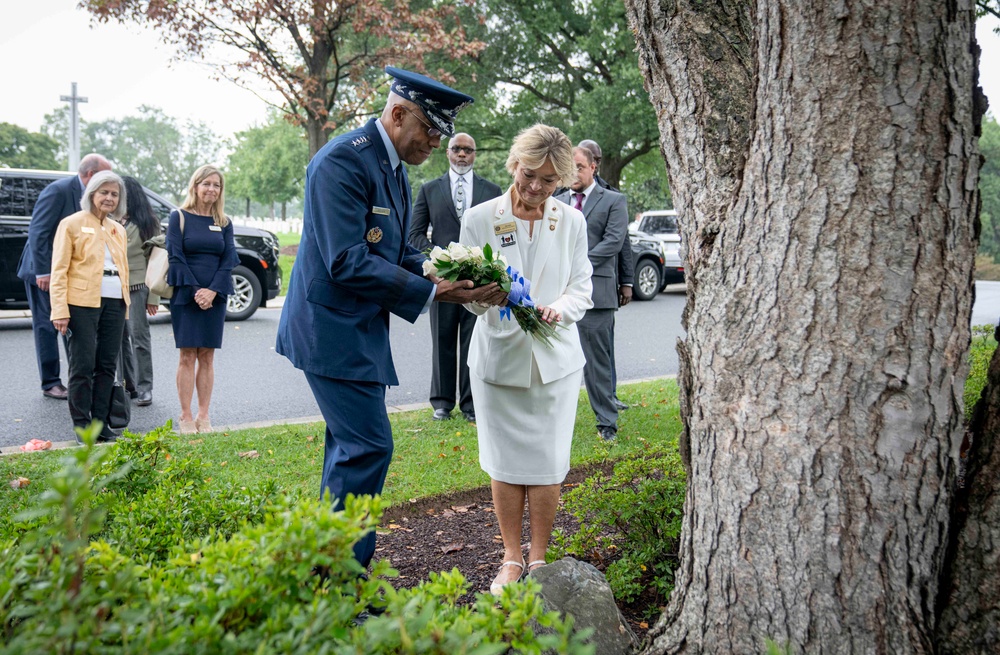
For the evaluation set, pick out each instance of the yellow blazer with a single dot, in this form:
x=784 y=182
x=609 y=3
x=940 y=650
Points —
x=78 y=262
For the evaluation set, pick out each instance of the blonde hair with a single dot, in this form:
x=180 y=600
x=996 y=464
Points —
x=540 y=142
x=96 y=182
x=192 y=193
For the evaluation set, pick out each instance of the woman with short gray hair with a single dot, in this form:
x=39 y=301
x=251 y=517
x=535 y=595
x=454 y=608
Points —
x=90 y=298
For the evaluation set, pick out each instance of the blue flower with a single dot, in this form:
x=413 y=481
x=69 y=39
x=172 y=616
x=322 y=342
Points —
x=518 y=296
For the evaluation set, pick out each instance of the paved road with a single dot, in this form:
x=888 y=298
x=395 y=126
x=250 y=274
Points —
x=254 y=384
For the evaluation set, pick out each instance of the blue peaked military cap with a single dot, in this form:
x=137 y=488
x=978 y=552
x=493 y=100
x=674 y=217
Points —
x=439 y=103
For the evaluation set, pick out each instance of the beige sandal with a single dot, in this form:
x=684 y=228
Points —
x=203 y=426
x=188 y=427
x=497 y=587
x=537 y=564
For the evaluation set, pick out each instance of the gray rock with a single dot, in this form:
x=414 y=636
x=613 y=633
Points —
x=570 y=586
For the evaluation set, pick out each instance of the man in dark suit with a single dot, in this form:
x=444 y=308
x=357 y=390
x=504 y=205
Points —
x=354 y=267
x=607 y=223
x=440 y=205
x=626 y=269
x=56 y=201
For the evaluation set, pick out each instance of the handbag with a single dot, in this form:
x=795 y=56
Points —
x=157 y=266
x=121 y=406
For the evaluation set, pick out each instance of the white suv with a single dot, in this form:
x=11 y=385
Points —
x=662 y=225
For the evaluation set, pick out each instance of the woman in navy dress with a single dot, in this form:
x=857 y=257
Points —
x=202 y=256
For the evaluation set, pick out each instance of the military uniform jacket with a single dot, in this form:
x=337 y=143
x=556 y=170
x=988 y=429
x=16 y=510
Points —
x=354 y=265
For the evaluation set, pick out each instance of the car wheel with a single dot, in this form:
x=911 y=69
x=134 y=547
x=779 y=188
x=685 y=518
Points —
x=245 y=299
x=647 y=280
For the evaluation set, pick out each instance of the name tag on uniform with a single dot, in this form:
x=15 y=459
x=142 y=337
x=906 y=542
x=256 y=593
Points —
x=215 y=228
x=504 y=228
x=87 y=230
x=384 y=211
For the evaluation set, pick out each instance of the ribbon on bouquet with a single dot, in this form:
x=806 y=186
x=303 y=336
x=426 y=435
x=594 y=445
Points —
x=519 y=294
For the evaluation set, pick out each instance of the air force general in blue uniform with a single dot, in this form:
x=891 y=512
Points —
x=354 y=267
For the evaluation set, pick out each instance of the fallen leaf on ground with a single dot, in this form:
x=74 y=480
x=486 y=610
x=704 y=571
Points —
x=19 y=483
x=447 y=513
x=462 y=509
x=250 y=454
x=452 y=548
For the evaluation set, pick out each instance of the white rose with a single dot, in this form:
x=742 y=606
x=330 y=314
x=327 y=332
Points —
x=476 y=253
x=458 y=252
x=437 y=252
x=430 y=268
x=503 y=260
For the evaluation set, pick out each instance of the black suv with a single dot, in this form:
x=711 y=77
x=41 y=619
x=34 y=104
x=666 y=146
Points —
x=256 y=280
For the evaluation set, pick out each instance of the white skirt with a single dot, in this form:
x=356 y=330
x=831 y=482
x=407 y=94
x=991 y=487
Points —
x=525 y=435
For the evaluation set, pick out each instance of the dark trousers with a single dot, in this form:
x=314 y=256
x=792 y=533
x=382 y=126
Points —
x=358 y=443
x=94 y=344
x=46 y=336
x=595 y=330
x=451 y=334
x=136 y=364
x=614 y=371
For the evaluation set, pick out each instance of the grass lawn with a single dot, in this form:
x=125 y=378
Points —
x=286 y=261
x=430 y=457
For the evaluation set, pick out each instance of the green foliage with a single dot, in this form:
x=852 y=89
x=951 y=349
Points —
x=153 y=147
x=642 y=502
x=20 y=148
x=989 y=188
x=980 y=353
x=63 y=589
x=268 y=163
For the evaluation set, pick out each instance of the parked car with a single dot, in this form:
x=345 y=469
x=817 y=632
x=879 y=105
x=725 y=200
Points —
x=256 y=279
x=655 y=237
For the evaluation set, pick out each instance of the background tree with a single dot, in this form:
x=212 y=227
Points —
x=989 y=187
x=324 y=58
x=20 y=148
x=268 y=163
x=151 y=146
x=825 y=160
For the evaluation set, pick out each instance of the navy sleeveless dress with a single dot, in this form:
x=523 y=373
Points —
x=203 y=257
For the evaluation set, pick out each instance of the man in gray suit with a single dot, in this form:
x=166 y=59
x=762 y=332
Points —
x=607 y=224
x=440 y=205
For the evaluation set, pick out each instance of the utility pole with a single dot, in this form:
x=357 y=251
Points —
x=74 y=128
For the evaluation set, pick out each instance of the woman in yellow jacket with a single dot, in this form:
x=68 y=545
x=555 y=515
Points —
x=90 y=297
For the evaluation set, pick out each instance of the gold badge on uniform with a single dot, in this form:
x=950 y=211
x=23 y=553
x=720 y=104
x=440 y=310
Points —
x=374 y=235
x=504 y=228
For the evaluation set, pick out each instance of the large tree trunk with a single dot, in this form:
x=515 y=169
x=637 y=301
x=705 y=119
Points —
x=970 y=622
x=823 y=160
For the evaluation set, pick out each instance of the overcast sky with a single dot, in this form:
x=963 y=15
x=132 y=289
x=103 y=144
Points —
x=48 y=44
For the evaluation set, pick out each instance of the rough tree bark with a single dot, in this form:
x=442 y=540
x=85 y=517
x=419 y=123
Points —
x=970 y=620
x=824 y=161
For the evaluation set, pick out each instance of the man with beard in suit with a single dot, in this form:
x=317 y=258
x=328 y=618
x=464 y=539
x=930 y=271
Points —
x=607 y=223
x=441 y=204
x=56 y=201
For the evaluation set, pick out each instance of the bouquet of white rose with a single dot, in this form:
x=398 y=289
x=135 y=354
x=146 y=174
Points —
x=459 y=262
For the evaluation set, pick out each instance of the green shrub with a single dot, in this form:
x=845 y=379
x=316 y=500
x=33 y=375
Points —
x=253 y=590
x=980 y=354
x=642 y=502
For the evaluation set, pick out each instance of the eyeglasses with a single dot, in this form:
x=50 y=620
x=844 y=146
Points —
x=467 y=150
x=431 y=131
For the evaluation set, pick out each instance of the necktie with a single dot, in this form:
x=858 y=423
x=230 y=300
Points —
x=460 y=196
x=579 y=201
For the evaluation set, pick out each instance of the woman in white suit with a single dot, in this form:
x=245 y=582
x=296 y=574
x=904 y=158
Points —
x=526 y=392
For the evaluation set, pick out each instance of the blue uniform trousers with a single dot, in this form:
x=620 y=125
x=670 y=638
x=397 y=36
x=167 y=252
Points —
x=46 y=336
x=358 y=443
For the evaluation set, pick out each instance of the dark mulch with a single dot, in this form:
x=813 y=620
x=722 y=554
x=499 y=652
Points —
x=460 y=531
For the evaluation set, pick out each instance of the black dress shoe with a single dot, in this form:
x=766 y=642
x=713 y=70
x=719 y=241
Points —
x=144 y=398
x=619 y=405
x=107 y=435
x=469 y=416
x=441 y=414
x=59 y=392
x=608 y=434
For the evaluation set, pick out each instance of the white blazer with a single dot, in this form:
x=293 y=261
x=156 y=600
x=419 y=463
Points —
x=560 y=278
